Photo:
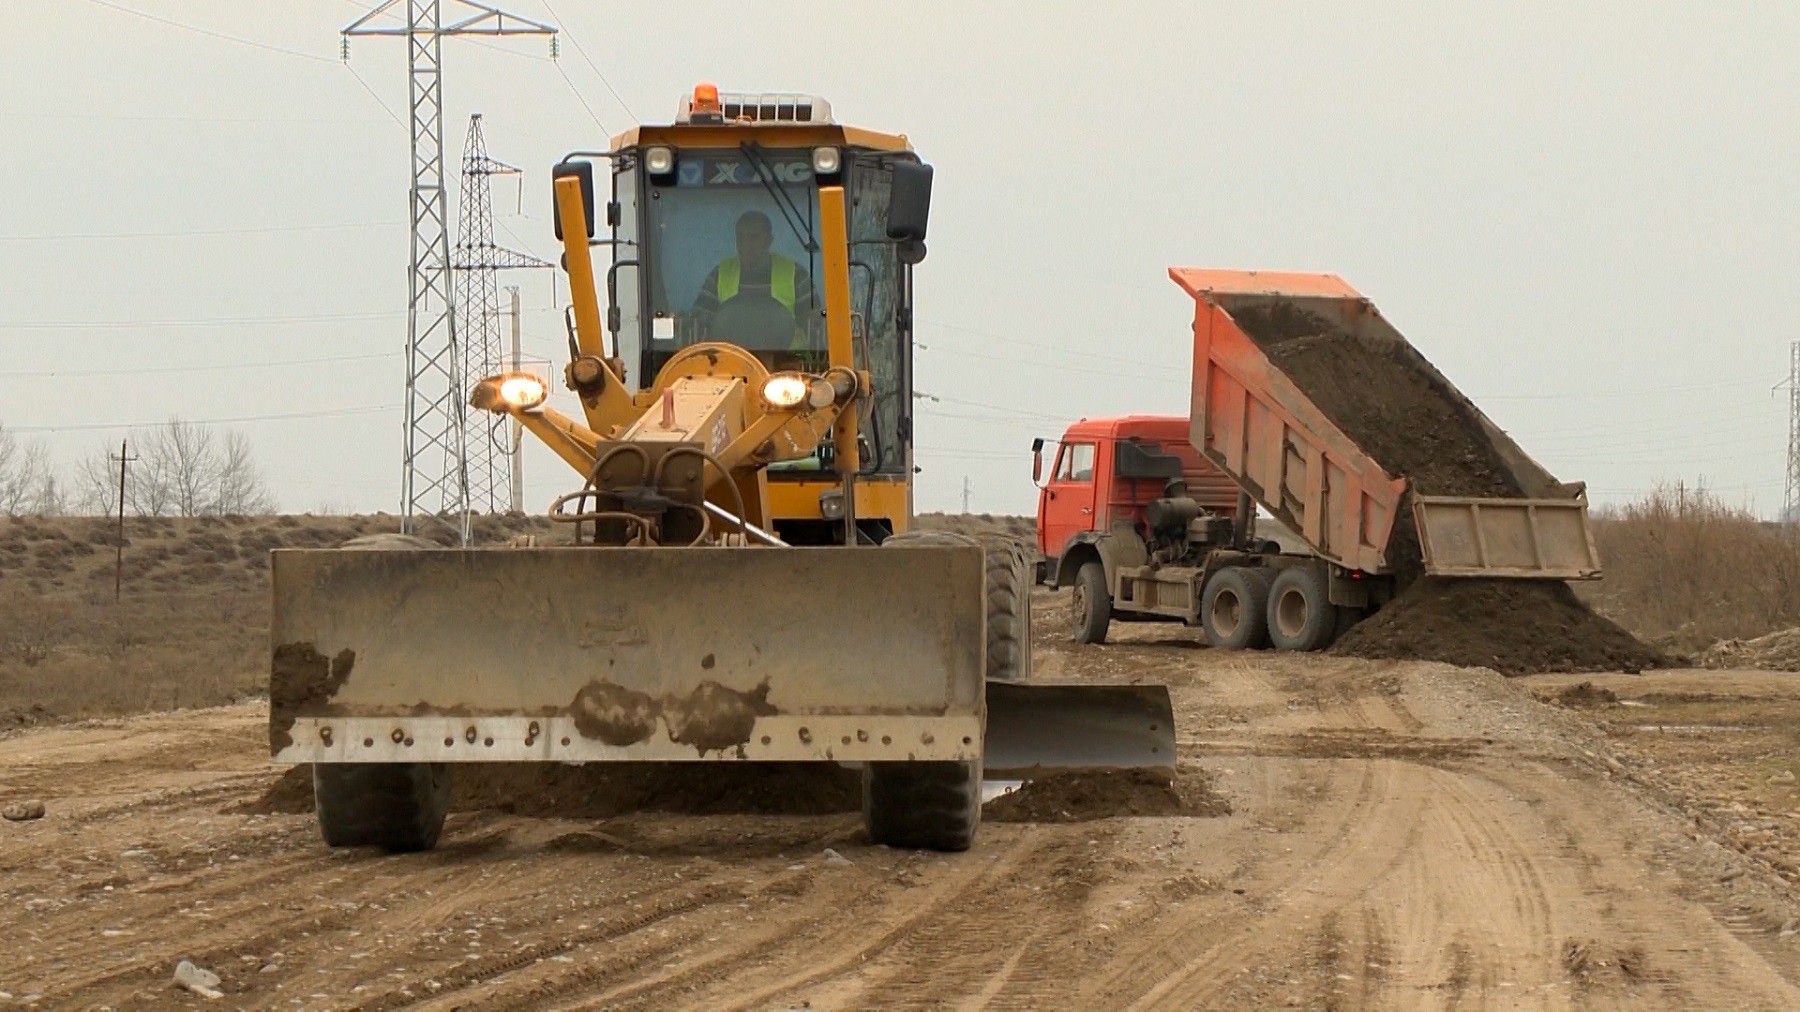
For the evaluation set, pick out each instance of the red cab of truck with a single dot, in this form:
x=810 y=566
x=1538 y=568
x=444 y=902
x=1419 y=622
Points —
x=1098 y=477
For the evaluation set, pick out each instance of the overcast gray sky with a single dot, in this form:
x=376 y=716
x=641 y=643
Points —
x=1585 y=214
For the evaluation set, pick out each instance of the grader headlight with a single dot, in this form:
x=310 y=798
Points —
x=517 y=391
x=786 y=390
x=523 y=391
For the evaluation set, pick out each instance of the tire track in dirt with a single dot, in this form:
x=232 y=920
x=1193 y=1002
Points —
x=1363 y=844
x=828 y=940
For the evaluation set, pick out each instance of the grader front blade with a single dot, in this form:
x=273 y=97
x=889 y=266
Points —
x=588 y=654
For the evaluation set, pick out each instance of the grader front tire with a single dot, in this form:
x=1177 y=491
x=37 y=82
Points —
x=398 y=807
x=937 y=805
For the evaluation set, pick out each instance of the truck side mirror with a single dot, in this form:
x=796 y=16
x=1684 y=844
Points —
x=583 y=171
x=909 y=202
x=1037 y=461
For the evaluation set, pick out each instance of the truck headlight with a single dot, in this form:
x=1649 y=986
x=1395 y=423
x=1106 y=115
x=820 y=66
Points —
x=523 y=391
x=785 y=390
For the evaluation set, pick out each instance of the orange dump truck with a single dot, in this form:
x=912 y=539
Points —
x=1322 y=414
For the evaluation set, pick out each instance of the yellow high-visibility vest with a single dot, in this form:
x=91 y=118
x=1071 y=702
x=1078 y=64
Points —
x=781 y=280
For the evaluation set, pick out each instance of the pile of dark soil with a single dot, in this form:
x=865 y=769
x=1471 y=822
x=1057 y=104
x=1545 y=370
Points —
x=1516 y=627
x=1083 y=797
x=603 y=790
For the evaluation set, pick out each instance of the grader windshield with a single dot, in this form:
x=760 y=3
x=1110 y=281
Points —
x=725 y=246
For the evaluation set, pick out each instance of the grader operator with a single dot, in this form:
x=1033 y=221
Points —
x=745 y=584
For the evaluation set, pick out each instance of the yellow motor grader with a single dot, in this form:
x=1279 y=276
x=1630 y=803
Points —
x=744 y=583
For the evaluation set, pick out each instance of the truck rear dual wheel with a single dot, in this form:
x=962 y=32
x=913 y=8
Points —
x=1301 y=615
x=1234 y=608
x=937 y=805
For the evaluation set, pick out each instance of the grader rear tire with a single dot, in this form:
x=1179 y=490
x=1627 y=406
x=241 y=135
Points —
x=398 y=807
x=937 y=805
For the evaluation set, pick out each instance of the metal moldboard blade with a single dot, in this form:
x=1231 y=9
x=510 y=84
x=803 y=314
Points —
x=1038 y=727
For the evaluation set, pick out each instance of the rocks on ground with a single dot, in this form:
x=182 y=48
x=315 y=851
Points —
x=22 y=811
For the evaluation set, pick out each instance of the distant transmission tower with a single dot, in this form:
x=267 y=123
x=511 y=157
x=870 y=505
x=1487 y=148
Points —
x=478 y=262
x=1790 y=503
x=435 y=477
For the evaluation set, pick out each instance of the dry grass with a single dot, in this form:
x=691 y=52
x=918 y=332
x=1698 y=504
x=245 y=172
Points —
x=1684 y=570
x=191 y=628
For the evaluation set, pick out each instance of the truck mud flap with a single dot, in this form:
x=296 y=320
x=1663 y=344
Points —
x=1036 y=727
x=1530 y=539
x=650 y=654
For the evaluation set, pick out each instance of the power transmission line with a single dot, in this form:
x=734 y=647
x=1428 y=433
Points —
x=205 y=321
x=215 y=367
x=240 y=40
x=238 y=419
x=581 y=51
x=190 y=232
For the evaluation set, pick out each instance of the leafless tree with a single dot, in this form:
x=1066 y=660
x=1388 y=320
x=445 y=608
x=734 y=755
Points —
x=182 y=469
x=24 y=474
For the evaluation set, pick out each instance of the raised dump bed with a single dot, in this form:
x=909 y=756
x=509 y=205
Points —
x=1307 y=397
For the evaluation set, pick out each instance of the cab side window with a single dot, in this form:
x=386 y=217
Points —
x=1075 y=463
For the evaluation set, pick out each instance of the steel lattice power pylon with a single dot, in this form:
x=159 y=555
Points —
x=435 y=480
x=477 y=262
x=1790 y=503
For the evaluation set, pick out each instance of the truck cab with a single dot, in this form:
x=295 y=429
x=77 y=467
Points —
x=1105 y=474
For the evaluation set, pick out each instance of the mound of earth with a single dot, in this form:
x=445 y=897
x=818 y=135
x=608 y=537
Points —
x=1778 y=651
x=1516 y=627
x=603 y=790
x=1083 y=797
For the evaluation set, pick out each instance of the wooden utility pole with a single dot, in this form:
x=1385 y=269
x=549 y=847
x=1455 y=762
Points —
x=119 y=533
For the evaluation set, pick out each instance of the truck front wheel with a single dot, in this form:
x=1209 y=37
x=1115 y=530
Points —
x=1301 y=615
x=1090 y=603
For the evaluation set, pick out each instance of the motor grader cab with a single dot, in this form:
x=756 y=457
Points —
x=744 y=585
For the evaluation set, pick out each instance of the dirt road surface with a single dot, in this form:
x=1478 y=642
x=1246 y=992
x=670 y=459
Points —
x=1400 y=835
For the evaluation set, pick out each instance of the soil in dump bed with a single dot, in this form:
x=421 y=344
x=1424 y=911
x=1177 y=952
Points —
x=1410 y=425
x=1415 y=429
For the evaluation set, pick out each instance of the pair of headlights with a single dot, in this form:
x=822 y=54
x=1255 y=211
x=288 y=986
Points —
x=826 y=161
x=523 y=391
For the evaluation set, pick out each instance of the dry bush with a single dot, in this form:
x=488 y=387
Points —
x=1685 y=569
